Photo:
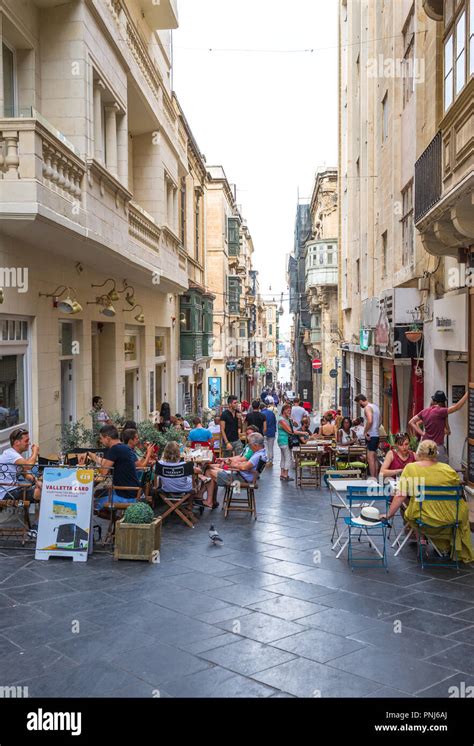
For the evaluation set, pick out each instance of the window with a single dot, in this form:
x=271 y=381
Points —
x=197 y=221
x=185 y=320
x=270 y=329
x=234 y=291
x=182 y=221
x=269 y=346
x=385 y=118
x=8 y=81
x=448 y=72
x=233 y=236
x=13 y=373
x=408 y=230
x=66 y=338
x=243 y=330
x=384 y=254
x=461 y=52
x=408 y=57
x=458 y=47
x=471 y=40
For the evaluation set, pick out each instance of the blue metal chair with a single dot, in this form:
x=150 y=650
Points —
x=427 y=493
x=369 y=496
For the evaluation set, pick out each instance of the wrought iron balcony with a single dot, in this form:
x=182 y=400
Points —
x=428 y=178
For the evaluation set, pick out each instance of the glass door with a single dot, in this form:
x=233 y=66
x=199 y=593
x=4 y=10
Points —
x=67 y=392
x=132 y=383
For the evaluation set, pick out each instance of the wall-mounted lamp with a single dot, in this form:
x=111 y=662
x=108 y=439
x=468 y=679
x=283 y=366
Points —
x=112 y=295
x=140 y=317
x=105 y=302
x=68 y=304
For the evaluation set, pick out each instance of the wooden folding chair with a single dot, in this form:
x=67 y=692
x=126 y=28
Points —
x=177 y=502
x=245 y=504
x=117 y=507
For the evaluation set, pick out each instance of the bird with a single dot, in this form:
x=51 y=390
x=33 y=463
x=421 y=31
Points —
x=214 y=536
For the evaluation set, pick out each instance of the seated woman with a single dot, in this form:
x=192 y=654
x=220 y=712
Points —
x=181 y=485
x=328 y=428
x=345 y=436
x=397 y=457
x=427 y=470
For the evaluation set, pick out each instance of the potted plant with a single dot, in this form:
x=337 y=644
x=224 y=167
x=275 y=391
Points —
x=415 y=330
x=138 y=534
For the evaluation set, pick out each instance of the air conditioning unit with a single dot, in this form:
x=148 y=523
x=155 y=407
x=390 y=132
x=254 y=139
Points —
x=398 y=302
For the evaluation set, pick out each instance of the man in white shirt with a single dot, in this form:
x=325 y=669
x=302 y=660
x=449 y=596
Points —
x=11 y=459
x=297 y=413
x=101 y=415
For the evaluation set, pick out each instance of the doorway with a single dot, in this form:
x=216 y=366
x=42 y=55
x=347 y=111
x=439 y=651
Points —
x=457 y=387
x=132 y=388
x=67 y=392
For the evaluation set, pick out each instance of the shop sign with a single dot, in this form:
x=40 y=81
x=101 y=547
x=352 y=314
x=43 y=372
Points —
x=450 y=324
x=231 y=366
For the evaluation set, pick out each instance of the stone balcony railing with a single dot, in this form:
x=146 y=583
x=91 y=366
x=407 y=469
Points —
x=38 y=166
x=143 y=228
x=136 y=46
x=44 y=179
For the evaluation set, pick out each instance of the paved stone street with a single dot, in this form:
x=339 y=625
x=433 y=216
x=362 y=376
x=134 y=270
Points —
x=253 y=618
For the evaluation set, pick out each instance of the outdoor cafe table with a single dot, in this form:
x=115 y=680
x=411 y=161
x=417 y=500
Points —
x=339 y=489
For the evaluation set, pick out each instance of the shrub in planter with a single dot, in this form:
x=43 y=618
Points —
x=138 y=535
x=138 y=513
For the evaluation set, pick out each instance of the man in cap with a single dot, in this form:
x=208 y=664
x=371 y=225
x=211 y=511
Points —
x=435 y=421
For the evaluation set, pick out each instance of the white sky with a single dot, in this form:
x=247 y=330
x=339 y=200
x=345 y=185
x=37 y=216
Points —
x=269 y=118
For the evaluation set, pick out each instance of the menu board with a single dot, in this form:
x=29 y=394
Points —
x=470 y=463
x=471 y=413
x=457 y=393
x=64 y=527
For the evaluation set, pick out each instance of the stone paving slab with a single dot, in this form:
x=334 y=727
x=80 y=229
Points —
x=271 y=613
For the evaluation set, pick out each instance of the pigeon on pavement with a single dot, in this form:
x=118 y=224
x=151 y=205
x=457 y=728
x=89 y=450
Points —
x=214 y=536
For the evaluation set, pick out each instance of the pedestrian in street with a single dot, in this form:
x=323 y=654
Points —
x=100 y=414
x=371 y=431
x=270 y=431
x=297 y=413
x=256 y=418
x=286 y=428
x=165 y=417
x=230 y=427
x=435 y=421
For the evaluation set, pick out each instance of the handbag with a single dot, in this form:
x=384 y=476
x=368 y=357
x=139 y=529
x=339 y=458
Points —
x=293 y=440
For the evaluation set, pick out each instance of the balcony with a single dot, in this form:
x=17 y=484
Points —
x=44 y=179
x=160 y=15
x=428 y=184
x=321 y=276
x=191 y=346
x=444 y=181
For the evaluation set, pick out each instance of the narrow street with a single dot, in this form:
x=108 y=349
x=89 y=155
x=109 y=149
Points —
x=271 y=613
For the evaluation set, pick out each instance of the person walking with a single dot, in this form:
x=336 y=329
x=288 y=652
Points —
x=271 y=428
x=230 y=427
x=297 y=413
x=285 y=428
x=371 y=430
x=435 y=421
x=256 y=418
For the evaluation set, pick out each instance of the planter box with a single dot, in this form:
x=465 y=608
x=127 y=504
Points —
x=137 y=541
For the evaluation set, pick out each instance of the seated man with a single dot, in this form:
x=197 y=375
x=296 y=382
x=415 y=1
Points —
x=10 y=472
x=199 y=434
x=240 y=469
x=123 y=460
x=132 y=439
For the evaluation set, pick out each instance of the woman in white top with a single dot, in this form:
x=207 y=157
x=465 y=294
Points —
x=345 y=435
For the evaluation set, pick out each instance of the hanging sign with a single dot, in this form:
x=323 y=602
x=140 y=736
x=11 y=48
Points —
x=215 y=392
x=64 y=527
x=231 y=366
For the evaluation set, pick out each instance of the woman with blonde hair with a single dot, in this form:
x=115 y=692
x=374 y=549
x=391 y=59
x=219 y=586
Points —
x=428 y=471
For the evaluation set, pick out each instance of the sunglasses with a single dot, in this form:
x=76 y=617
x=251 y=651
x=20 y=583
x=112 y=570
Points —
x=16 y=434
